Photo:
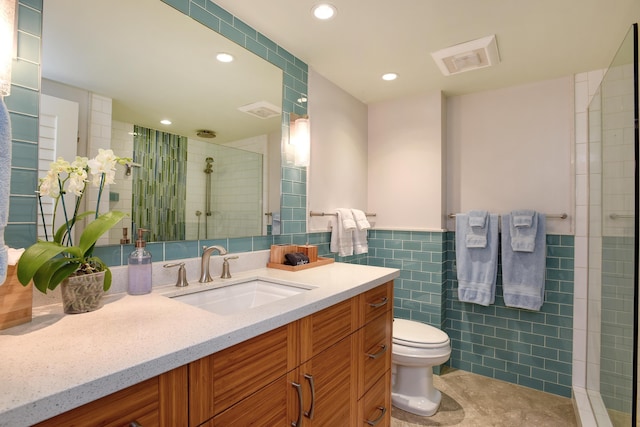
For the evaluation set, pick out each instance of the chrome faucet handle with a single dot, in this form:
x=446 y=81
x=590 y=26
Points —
x=182 y=274
x=225 y=267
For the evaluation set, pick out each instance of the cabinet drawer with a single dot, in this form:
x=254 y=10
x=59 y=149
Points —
x=375 y=351
x=219 y=381
x=139 y=403
x=374 y=408
x=321 y=330
x=375 y=302
x=267 y=407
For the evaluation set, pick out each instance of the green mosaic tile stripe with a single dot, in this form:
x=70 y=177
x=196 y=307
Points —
x=23 y=109
x=616 y=358
x=533 y=349
x=159 y=184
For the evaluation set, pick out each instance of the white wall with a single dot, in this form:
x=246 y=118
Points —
x=513 y=149
x=406 y=155
x=337 y=174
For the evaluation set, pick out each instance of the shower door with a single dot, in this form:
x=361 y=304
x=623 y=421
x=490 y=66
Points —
x=613 y=240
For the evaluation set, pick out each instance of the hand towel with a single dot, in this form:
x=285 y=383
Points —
x=477 y=268
x=523 y=273
x=342 y=227
x=523 y=228
x=477 y=231
x=5 y=178
x=360 y=245
x=362 y=223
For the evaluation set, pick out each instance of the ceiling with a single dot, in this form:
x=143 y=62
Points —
x=537 y=39
x=152 y=73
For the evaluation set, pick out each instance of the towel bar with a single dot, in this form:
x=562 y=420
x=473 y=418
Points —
x=312 y=213
x=558 y=216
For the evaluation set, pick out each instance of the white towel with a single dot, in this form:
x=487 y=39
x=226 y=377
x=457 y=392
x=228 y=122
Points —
x=342 y=232
x=362 y=223
x=5 y=178
x=360 y=245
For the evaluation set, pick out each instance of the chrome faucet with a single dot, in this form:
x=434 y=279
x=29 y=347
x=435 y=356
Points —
x=205 y=276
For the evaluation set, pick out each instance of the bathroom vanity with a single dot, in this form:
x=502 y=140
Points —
x=321 y=357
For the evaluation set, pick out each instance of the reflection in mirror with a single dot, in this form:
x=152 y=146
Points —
x=142 y=62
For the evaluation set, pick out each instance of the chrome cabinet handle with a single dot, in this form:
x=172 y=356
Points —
x=382 y=302
x=300 y=405
x=383 y=350
x=135 y=424
x=383 y=411
x=313 y=396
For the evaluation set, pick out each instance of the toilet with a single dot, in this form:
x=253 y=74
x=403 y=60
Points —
x=416 y=349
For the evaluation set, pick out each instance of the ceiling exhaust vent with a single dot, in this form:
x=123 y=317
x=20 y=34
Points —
x=468 y=56
x=261 y=109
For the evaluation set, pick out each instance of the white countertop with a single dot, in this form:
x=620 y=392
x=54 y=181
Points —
x=58 y=362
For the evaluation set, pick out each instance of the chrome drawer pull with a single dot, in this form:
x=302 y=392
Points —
x=313 y=396
x=382 y=302
x=377 y=420
x=383 y=350
x=135 y=424
x=300 y=406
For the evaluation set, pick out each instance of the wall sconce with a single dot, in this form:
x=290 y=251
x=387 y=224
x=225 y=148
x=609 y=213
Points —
x=7 y=43
x=300 y=138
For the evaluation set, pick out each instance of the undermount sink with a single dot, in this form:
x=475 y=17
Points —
x=241 y=296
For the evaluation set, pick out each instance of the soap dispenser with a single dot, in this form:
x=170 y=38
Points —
x=140 y=267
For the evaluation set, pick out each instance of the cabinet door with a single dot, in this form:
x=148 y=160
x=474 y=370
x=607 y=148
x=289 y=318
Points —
x=374 y=408
x=374 y=351
x=159 y=401
x=321 y=330
x=329 y=385
x=267 y=407
x=223 y=379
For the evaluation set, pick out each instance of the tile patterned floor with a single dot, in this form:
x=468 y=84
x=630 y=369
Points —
x=472 y=400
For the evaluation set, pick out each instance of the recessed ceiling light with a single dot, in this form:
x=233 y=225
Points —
x=389 y=76
x=224 y=57
x=324 y=11
x=165 y=121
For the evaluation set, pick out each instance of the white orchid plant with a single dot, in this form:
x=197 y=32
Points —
x=48 y=262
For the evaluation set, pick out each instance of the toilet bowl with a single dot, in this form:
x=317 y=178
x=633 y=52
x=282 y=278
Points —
x=416 y=349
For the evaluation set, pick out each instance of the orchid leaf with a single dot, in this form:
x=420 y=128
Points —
x=35 y=257
x=97 y=228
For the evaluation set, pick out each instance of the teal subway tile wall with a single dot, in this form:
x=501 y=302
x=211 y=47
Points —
x=24 y=109
x=529 y=348
x=616 y=366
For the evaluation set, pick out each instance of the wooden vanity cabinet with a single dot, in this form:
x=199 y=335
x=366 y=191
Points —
x=157 y=402
x=331 y=368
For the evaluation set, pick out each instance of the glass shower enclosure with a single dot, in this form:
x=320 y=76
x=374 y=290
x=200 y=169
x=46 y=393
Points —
x=612 y=347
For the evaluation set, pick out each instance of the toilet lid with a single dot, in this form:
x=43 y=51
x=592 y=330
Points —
x=412 y=332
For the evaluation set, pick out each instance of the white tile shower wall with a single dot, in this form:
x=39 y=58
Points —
x=99 y=137
x=585 y=85
x=617 y=154
x=234 y=192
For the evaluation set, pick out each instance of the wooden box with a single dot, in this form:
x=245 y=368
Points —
x=318 y=263
x=278 y=252
x=310 y=251
x=15 y=301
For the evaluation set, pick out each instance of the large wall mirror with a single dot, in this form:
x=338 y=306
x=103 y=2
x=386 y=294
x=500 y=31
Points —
x=125 y=65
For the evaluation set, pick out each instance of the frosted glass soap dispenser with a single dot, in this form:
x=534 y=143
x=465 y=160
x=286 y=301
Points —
x=140 y=267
